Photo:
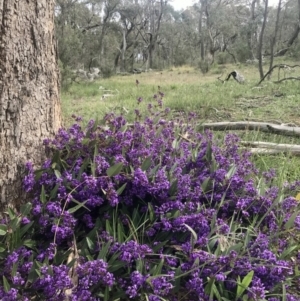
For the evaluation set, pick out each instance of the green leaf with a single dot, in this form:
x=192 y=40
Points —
x=290 y=223
x=159 y=246
x=139 y=265
x=244 y=285
x=3 y=230
x=53 y=193
x=151 y=212
x=175 y=144
x=108 y=228
x=205 y=186
x=104 y=250
x=192 y=231
x=173 y=188
x=25 y=209
x=106 y=294
x=114 y=170
x=6 y=285
x=154 y=170
x=29 y=243
x=146 y=164
x=77 y=207
x=57 y=173
x=121 y=189
x=231 y=172
x=216 y=292
x=286 y=252
x=26 y=228
x=93 y=169
x=209 y=153
x=11 y=213
x=246 y=298
x=15 y=223
x=34 y=272
x=90 y=243
x=247 y=279
x=117 y=265
x=209 y=288
x=159 y=268
x=120 y=232
x=38 y=174
x=43 y=195
x=177 y=277
x=83 y=167
x=283 y=292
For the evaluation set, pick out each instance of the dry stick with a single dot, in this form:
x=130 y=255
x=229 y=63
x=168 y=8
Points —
x=276 y=66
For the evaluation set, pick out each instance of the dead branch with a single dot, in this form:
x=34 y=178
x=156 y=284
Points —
x=276 y=66
x=284 y=130
x=271 y=145
x=259 y=147
x=239 y=125
x=287 y=78
x=221 y=80
x=264 y=151
x=252 y=126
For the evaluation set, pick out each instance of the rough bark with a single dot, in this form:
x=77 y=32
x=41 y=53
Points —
x=29 y=90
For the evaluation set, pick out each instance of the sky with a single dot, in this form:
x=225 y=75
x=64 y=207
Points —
x=180 y=4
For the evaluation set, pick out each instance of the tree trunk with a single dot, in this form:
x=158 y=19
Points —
x=260 y=43
x=273 y=39
x=294 y=36
x=29 y=90
x=201 y=33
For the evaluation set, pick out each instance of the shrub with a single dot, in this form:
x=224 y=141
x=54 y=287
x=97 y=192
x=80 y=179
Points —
x=204 y=66
x=149 y=211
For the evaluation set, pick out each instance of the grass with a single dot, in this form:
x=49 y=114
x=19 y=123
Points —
x=187 y=89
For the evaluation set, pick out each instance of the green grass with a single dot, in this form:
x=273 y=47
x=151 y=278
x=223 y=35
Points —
x=187 y=89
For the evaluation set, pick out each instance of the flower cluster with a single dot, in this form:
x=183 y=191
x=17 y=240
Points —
x=152 y=209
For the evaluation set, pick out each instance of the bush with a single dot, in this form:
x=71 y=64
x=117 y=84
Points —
x=204 y=66
x=149 y=211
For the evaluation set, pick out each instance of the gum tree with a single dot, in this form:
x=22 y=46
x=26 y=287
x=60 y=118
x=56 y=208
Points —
x=29 y=89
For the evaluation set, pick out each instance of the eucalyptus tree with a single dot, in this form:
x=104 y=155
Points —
x=290 y=29
x=29 y=90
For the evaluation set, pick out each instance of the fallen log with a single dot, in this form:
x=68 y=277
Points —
x=238 y=125
x=252 y=126
x=260 y=147
x=265 y=151
x=271 y=145
x=284 y=130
